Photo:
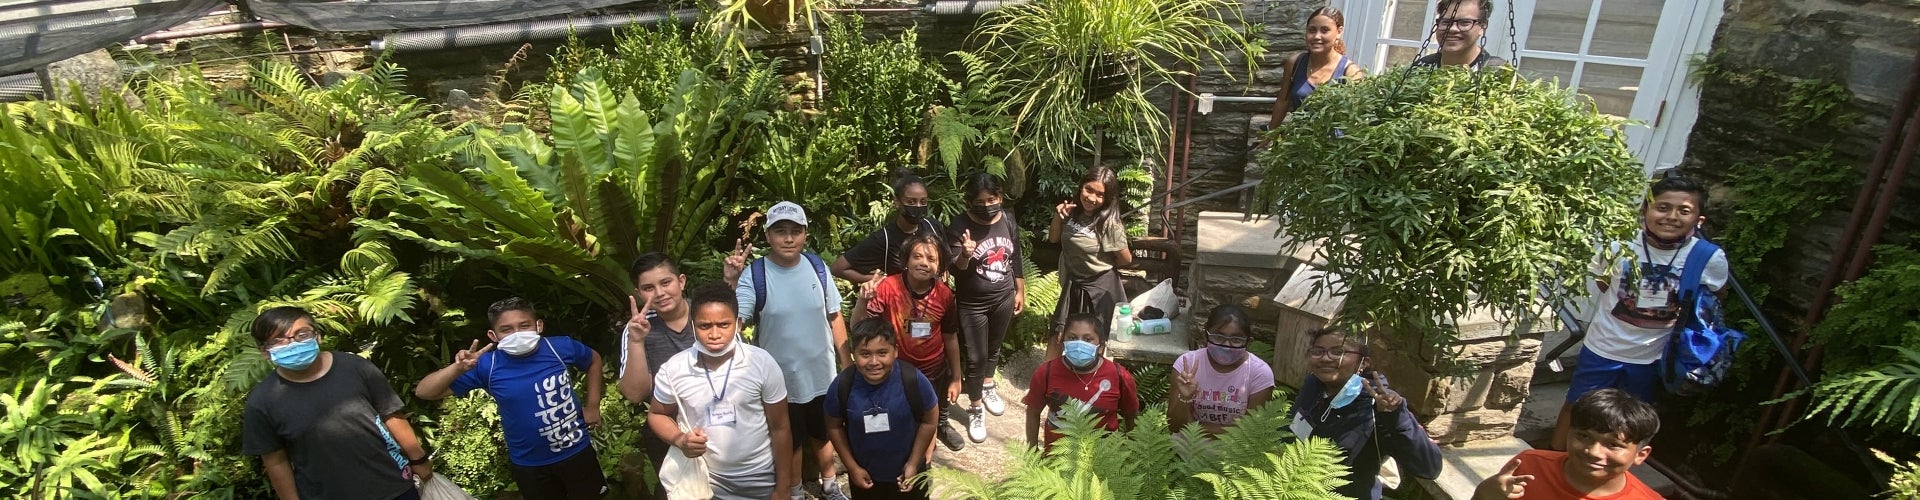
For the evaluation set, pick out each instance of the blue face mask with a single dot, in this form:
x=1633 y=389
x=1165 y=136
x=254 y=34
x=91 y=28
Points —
x=297 y=355
x=1080 y=353
x=1350 y=391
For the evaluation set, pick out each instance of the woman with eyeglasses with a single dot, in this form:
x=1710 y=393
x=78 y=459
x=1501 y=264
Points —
x=1324 y=61
x=1460 y=26
x=1343 y=400
x=318 y=421
x=1216 y=385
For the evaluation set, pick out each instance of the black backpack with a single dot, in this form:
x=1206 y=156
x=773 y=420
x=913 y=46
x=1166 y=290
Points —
x=915 y=400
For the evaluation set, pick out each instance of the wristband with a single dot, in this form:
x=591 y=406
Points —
x=424 y=460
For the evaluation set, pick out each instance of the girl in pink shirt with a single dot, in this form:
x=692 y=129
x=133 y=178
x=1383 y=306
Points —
x=1213 y=386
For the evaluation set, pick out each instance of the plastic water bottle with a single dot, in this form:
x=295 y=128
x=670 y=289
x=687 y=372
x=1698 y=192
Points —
x=1123 y=323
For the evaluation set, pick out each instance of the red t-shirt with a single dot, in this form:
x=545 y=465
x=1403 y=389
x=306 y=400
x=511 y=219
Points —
x=1109 y=390
x=893 y=301
x=1550 y=480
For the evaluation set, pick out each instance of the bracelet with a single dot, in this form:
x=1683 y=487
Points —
x=423 y=460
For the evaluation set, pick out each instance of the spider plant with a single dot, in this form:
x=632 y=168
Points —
x=1061 y=55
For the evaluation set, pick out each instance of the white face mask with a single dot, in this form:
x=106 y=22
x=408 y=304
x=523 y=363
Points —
x=715 y=353
x=520 y=343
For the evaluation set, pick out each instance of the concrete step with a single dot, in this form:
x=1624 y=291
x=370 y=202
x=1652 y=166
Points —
x=1540 y=411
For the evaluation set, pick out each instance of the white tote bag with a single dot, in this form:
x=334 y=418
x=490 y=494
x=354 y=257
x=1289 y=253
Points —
x=684 y=478
x=439 y=488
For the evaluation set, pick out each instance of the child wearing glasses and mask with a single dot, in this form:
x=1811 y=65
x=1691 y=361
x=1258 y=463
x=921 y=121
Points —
x=1215 y=385
x=1344 y=401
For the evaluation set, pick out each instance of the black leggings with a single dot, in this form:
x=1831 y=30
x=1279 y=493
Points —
x=982 y=328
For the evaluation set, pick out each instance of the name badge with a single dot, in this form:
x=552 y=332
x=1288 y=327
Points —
x=720 y=414
x=1653 y=297
x=1300 y=427
x=920 y=329
x=878 y=423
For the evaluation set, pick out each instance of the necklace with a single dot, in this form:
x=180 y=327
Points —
x=1086 y=385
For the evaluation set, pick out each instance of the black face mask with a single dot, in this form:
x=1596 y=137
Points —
x=914 y=214
x=985 y=211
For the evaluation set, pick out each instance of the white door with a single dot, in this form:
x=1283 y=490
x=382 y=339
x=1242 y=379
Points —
x=1628 y=57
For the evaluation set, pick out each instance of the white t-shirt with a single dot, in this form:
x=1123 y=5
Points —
x=1635 y=315
x=746 y=384
x=793 y=326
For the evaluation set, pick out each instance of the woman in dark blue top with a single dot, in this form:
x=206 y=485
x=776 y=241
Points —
x=1324 y=61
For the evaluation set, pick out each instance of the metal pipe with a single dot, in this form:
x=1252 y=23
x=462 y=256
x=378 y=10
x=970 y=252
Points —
x=519 y=32
x=1842 y=246
x=877 y=9
x=969 y=7
x=161 y=36
x=21 y=87
x=1863 y=252
x=1167 y=222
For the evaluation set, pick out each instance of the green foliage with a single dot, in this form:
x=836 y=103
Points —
x=1035 y=320
x=1088 y=462
x=645 y=61
x=973 y=131
x=1881 y=308
x=814 y=166
x=1051 y=51
x=886 y=92
x=1770 y=203
x=1434 y=192
x=470 y=450
x=1887 y=395
x=1905 y=480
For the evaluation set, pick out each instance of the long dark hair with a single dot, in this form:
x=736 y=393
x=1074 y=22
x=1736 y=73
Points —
x=1108 y=211
x=982 y=183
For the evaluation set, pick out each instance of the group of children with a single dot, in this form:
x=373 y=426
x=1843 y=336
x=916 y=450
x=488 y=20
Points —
x=767 y=419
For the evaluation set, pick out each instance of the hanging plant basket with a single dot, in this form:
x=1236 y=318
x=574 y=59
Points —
x=1110 y=75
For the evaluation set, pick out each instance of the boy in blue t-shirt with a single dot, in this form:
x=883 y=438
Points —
x=545 y=422
x=881 y=431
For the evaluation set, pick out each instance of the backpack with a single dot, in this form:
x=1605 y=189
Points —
x=915 y=400
x=1701 y=350
x=759 y=270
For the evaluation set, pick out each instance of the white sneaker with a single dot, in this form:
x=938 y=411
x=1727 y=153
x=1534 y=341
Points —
x=797 y=493
x=991 y=397
x=830 y=490
x=977 y=425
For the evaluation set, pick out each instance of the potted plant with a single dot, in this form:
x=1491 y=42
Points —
x=1437 y=192
x=1074 y=68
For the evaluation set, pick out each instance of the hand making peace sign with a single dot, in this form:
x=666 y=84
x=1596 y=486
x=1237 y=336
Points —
x=1384 y=399
x=737 y=261
x=470 y=357
x=637 y=325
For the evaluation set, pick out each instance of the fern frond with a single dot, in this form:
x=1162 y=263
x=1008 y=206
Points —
x=1886 y=395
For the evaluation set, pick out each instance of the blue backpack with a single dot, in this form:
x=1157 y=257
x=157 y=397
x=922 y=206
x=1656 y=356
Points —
x=1701 y=350
x=758 y=270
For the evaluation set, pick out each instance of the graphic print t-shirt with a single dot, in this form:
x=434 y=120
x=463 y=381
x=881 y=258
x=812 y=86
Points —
x=1108 y=392
x=995 y=262
x=539 y=412
x=1221 y=398
x=926 y=349
x=1636 y=313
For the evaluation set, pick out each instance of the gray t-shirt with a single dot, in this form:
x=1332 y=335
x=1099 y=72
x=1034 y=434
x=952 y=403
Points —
x=330 y=430
x=662 y=342
x=793 y=326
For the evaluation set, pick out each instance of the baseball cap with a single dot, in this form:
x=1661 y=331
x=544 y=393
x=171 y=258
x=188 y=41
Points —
x=786 y=210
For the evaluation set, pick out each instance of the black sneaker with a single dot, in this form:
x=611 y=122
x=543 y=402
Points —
x=950 y=436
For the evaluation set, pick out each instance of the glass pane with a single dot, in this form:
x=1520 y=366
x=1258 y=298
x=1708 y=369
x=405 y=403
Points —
x=1558 y=25
x=1401 y=56
x=1552 y=70
x=1410 y=20
x=1611 y=87
x=1626 y=28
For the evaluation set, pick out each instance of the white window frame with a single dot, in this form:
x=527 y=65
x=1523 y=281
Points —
x=1668 y=113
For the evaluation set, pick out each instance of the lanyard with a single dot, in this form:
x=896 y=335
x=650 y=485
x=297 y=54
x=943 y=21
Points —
x=1646 y=251
x=721 y=393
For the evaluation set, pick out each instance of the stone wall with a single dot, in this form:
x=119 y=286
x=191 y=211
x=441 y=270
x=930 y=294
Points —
x=1869 y=46
x=1476 y=396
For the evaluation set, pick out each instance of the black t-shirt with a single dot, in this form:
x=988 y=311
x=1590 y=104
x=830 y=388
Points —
x=1486 y=60
x=330 y=428
x=884 y=246
x=995 y=263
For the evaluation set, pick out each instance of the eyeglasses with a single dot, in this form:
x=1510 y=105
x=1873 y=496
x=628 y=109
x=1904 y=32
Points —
x=299 y=336
x=1322 y=352
x=1227 y=340
x=1458 y=23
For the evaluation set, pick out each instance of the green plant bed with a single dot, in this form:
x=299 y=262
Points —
x=1439 y=191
